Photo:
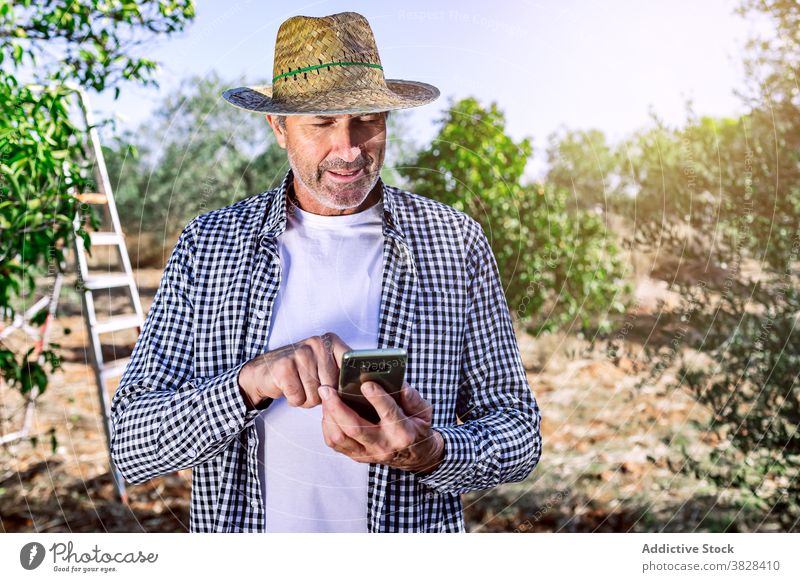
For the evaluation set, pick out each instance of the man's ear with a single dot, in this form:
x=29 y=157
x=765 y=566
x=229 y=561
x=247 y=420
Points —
x=278 y=129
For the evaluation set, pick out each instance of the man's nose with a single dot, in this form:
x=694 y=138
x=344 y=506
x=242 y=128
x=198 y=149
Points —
x=345 y=142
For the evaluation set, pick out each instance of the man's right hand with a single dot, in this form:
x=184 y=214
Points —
x=295 y=371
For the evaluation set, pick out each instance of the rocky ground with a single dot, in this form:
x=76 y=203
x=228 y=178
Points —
x=611 y=460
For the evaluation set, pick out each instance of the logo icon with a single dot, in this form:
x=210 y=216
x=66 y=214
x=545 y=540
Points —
x=31 y=555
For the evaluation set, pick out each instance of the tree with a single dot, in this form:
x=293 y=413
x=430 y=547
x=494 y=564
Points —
x=582 y=162
x=90 y=42
x=749 y=328
x=197 y=153
x=557 y=265
x=401 y=148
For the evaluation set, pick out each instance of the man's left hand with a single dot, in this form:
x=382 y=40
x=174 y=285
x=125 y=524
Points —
x=403 y=438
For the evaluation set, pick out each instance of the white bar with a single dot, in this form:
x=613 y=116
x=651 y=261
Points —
x=104 y=238
x=114 y=367
x=401 y=557
x=95 y=282
x=118 y=323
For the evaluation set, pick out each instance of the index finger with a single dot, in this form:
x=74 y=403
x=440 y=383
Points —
x=335 y=345
x=327 y=370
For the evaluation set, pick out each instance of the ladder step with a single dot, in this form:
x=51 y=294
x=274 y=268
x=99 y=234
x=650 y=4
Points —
x=114 y=368
x=117 y=323
x=106 y=282
x=92 y=197
x=105 y=238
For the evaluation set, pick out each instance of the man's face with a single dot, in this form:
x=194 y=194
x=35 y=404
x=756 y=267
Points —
x=337 y=158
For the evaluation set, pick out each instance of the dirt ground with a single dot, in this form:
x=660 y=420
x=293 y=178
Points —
x=611 y=459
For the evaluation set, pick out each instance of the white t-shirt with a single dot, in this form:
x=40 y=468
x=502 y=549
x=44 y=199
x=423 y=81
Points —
x=331 y=278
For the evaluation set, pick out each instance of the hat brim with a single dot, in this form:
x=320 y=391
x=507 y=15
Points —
x=399 y=94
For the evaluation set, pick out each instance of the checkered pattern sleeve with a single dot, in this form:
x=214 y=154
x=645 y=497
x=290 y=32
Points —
x=499 y=439
x=163 y=418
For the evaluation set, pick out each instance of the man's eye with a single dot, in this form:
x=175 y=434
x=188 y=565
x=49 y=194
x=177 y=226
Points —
x=363 y=119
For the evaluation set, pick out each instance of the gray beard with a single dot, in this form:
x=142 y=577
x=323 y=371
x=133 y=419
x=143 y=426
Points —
x=325 y=201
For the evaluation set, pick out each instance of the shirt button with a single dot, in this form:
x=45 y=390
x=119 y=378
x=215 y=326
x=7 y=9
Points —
x=232 y=423
x=261 y=314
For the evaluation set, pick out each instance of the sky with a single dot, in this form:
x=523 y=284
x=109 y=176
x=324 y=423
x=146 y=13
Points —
x=573 y=64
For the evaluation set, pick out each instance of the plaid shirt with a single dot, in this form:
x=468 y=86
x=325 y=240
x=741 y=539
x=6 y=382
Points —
x=178 y=404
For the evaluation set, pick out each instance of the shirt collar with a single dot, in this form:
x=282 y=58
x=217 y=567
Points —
x=275 y=213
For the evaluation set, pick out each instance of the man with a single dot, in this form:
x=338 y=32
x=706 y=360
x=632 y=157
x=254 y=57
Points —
x=236 y=370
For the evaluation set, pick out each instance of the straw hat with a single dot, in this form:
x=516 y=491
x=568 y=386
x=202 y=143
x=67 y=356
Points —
x=329 y=65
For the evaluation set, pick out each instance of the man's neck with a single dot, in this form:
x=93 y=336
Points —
x=305 y=201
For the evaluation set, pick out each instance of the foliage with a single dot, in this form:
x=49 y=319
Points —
x=753 y=392
x=557 y=264
x=582 y=162
x=570 y=270
x=36 y=140
x=95 y=40
x=709 y=175
x=748 y=330
x=670 y=173
x=197 y=153
x=43 y=47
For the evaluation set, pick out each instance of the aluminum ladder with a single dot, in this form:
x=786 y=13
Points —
x=89 y=283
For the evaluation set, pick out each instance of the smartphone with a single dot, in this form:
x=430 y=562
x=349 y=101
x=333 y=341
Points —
x=387 y=367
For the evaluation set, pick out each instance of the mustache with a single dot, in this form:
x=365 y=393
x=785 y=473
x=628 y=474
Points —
x=341 y=165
